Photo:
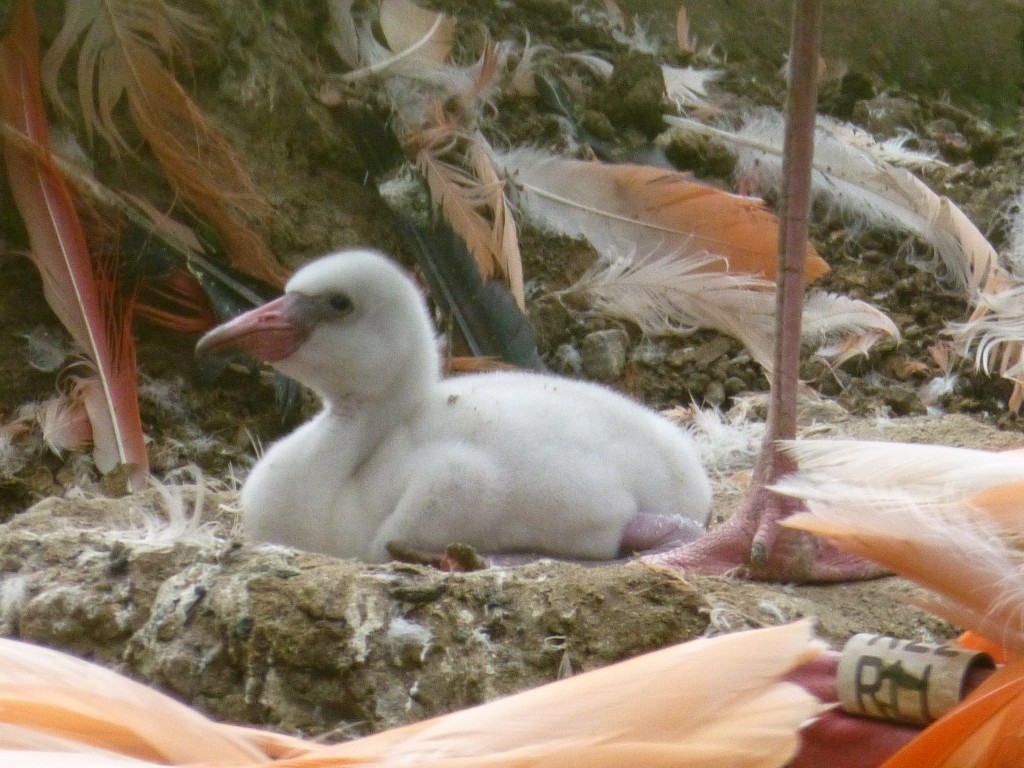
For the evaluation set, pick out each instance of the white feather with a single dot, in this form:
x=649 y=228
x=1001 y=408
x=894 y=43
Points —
x=413 y=63
x=341 y=31
x=684 y=86
x=828 y=315
x=995 y=333
x=417 y=48
x=590 y=211
x=854 y=176
x=727 y=442
x=687 y=86
x=928 y=471
x=597 y=65
x=977 y=579
x=895 y=151
x=182 y=522
x=672 y=295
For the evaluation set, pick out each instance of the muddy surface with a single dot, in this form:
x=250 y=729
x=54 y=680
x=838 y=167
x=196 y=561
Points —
x=258 y=77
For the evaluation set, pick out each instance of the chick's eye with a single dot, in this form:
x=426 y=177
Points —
x=340 y=303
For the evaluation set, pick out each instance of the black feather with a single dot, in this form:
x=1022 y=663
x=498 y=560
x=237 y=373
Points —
x=485 y=311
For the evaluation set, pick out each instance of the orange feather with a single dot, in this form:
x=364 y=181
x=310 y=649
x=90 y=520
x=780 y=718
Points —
x=738 y=227
x=972 y=641
x=199 y=164
x=627 y=714
x=59 y=696
x=708 y=703
x=652 y=210
x=74 y=290
x=988 y=484
x=121 y=48
x=945 y=518
x=1002 y=503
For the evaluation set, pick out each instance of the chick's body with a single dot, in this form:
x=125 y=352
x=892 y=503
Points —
x=505 y=462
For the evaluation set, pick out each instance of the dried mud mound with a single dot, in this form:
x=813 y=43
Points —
x=320 y=646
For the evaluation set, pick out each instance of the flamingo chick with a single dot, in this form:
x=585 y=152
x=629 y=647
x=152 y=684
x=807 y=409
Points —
x=509 y=463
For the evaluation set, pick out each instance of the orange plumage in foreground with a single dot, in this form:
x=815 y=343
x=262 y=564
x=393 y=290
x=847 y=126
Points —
x=949 y=519
x=710 y=702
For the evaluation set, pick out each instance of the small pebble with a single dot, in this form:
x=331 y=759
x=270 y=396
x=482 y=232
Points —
x=603 y=354
x=714 y=394
x=710 y=351
x=649 y=352
x=567 y=360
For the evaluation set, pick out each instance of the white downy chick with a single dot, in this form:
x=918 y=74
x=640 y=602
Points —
x=510 y=463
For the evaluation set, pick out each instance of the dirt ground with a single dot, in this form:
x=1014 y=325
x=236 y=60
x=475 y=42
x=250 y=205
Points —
x=258 y=77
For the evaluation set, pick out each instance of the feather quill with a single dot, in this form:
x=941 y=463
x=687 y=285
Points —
x=407 y=26
x=855 y=177
x=412 y=63
x=419 y=41
x=649 y=210
x=71 y=285
x=737 y=712
x=893 y=151
x=120 y=44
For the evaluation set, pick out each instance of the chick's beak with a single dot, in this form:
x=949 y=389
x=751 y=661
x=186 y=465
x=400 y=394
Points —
x=269 y=333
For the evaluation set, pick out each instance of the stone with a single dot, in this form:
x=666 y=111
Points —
x=603 y=354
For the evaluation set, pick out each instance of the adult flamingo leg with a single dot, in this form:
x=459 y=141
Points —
x=752 y=542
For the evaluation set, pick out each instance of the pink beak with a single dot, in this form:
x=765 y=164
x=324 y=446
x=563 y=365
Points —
x=269 y=333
